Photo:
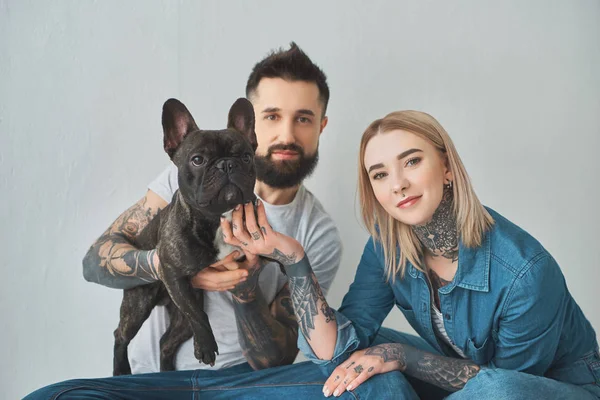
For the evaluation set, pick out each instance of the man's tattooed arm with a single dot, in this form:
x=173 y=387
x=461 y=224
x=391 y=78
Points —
x=446 y=372
x=268 y=334
x=113 y=261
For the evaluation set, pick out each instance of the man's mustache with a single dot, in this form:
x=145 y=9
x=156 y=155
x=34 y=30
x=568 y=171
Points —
x=285 y=147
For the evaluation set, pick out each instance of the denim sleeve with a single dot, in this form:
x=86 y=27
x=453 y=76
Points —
x=365 y=306
x=532 y=318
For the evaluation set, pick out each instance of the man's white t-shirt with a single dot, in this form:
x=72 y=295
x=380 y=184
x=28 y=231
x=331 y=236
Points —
x=303 y=219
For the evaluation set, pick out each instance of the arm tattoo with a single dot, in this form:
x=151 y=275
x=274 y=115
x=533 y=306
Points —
x=268 y=338
x=113 y=261
x=280 y=257
x=306 y=295
x=446 y=372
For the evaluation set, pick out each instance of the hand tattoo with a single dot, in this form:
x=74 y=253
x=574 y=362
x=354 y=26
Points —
x=280 y=257
x=255 y=235
x=358 y=369
x=446 y=372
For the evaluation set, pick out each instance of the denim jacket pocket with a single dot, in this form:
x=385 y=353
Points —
x=481 y=354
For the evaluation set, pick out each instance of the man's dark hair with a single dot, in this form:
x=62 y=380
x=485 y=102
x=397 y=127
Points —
x=291 y=65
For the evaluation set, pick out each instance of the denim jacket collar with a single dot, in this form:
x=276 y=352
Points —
x=473 y=271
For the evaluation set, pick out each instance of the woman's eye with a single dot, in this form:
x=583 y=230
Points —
x=379 y=175
x=246 y=158
x=197 y=161
x=413 y=161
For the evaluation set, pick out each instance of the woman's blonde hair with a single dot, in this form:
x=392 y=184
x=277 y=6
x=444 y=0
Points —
x=472 y=218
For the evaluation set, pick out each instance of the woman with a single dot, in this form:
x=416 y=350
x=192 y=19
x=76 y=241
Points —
x=489 y=303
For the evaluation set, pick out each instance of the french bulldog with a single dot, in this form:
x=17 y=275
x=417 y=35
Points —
x=215 y=173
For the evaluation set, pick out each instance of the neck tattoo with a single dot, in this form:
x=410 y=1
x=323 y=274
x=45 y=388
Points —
x=440 y=235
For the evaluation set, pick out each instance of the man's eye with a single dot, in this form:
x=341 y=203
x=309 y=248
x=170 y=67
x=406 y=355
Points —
x=304 y=120
x=197 y=161
x=413 y=161
x=379 y=175
x=271 y=117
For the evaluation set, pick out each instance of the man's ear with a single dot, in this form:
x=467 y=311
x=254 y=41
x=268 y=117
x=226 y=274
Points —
x=177 y=122
x=324 y=122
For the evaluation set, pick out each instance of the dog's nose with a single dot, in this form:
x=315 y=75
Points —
x=226 y=165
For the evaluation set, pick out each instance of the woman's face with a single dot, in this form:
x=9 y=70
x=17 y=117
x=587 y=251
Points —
x=407 y=174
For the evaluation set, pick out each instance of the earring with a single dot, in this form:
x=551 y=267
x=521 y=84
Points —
x=449 y=185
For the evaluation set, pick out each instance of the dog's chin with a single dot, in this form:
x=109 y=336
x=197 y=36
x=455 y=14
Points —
x=227 y=198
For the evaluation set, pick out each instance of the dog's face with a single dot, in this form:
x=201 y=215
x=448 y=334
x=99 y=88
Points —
x=215 y=168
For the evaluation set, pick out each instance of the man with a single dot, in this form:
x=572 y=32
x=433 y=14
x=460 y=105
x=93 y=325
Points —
x=253 y=331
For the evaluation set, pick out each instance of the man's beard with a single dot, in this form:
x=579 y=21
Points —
x=283 y=174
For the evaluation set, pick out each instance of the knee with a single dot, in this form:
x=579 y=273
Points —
x=71 y=389
x=391 y=385
x=490 y=383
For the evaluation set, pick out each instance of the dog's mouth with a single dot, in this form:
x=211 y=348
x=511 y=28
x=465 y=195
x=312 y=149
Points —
x=229 y=196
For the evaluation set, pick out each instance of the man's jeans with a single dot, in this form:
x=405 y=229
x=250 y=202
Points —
x=305 y=381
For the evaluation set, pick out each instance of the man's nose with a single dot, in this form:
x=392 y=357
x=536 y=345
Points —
x=286 y=135
x=226 y=165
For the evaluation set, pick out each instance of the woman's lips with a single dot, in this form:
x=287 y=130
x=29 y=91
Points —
x=409 y=201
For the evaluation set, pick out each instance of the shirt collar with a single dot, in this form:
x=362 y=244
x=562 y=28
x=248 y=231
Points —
x=473 y=271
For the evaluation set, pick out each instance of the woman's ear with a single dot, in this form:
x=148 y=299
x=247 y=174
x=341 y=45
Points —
x=448 y=175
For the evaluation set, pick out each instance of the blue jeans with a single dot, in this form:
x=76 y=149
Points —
x=294 y=382
x=305 y=381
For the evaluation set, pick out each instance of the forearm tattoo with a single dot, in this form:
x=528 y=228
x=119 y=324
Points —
x=306 y=296
x=282 y=258
x=113 y=261
x=440 y=235
x=446 y=372
x=267 y=340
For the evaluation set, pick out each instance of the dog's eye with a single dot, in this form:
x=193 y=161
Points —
x=246 y=158
x=197 y=161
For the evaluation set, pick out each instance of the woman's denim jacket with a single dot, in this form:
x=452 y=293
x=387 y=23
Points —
x=508 y=307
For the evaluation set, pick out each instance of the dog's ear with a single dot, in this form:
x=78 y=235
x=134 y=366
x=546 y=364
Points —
x=241 y=118
x=177 y=122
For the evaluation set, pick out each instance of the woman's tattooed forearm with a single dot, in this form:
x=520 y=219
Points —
x=306 y=296
x=446 y=372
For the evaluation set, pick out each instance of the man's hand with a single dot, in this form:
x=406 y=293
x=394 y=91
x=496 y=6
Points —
x=223 y=275
x=257 y=236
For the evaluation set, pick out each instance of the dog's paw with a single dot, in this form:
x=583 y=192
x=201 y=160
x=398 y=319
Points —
x=206 y=352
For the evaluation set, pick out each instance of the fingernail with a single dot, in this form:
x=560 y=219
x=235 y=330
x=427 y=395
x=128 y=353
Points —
x=258 y=202
x=236 y=254
x=237 y=207
x=326 y=392
x=349 y=387
x=336 y=393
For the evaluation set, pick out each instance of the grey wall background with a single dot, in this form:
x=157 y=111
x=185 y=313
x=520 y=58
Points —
x=516 y=84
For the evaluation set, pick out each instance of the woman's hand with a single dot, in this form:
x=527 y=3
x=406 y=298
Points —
x=362 y=365
x=258 y=237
